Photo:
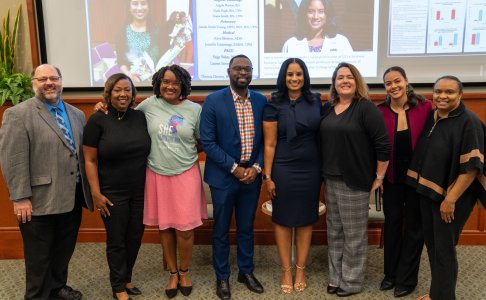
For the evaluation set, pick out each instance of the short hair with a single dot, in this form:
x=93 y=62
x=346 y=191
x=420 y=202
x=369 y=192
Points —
x=110 y=85
x=181 y=74
x=32 y=74
x=412 y=97
x=361 y=92
x=329 y=28
x=460 y=86
x=282 y=90
x=238 y=56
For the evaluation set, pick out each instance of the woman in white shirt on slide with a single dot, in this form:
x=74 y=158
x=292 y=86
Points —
x=316 y=30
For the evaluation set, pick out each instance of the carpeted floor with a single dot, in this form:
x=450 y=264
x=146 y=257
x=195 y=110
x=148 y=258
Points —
x=89 y=274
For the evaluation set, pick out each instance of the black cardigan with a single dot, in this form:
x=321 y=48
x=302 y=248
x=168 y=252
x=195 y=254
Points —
x=362 y=139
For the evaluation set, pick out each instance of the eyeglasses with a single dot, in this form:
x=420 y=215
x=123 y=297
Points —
x=238 y=69
x=44 y=79
x=170 y=82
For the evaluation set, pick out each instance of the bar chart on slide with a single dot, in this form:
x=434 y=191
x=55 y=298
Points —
x=475 y=38
x=451 y=27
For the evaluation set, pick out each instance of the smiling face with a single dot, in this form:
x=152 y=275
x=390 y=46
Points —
x=121 y=95
x=47 y=84
x=345 y=83
x=316 y=15
x=139 y=9
x=396 y=86
x=170 y=87
x=240 y=72
x=294 y=78
x=447 y=95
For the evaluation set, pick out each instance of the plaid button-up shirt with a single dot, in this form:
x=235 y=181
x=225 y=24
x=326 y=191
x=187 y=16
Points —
x=244 y=115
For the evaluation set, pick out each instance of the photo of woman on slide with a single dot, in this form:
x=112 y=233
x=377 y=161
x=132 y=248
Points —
x=316 y=30
x=138 y=44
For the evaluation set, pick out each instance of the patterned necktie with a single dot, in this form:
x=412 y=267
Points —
x=62 y=125
x=67 y=135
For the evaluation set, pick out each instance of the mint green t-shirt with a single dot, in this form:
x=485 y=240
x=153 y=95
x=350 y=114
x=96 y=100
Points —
x=173 y=130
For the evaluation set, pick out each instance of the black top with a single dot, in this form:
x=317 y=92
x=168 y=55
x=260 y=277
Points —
x=123 y=146
x=447 y=148
x=403 y=153
x=360 y=139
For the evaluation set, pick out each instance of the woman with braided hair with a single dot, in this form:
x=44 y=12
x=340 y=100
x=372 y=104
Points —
x=174 y=194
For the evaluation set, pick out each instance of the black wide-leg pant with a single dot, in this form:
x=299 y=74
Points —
x=441 y=239
x=403 y=235
x=124 y=231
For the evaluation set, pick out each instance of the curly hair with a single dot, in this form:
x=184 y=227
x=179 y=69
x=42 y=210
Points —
x=361 y=87
x=180 y=73
x=412 y=97
x=282 y=90
x=110 y=84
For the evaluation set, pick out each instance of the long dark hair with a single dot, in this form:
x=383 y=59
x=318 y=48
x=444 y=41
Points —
x=282 y=90
x=412 y=97
x=180 y=73
x=329 y=29
x=151 y=26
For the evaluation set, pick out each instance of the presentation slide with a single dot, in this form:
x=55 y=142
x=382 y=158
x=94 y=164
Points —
x=93 y=39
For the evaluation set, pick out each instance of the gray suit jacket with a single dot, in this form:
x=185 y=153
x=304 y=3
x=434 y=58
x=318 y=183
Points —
x=36 y=160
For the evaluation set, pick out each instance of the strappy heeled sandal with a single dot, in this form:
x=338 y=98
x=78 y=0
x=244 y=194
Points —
x=300 y=286
x=171 y=293
x=286 y=288
x=185 y=290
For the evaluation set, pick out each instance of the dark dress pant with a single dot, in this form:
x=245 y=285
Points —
x=49 y=243
x=403 y=234
x=124 y=231
x=441 y=239
x=243 y=199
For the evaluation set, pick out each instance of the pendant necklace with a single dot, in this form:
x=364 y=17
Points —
x=120 y=117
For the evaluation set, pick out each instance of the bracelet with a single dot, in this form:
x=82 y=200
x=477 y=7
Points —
x=380 y=177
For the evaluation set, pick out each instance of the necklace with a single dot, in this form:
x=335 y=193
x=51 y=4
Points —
x=120 y=117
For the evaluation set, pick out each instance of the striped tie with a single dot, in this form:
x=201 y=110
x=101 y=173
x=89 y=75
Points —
x=62 y=125
x=67 y=135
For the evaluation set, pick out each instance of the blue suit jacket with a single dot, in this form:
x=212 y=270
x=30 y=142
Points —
x=220 y=136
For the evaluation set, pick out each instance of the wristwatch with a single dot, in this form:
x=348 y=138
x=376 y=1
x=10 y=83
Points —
x=265 y=177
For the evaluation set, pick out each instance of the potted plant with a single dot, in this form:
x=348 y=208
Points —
x=14 y=86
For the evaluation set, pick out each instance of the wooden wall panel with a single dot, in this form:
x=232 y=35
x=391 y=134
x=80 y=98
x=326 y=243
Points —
x=92 y=229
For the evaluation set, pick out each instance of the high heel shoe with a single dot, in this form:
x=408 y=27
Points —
x=171 y=293
x=300 y=286
x=185 y=290
x=286 y=288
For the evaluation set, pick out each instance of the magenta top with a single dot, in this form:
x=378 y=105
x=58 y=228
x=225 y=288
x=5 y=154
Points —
x=416 y=118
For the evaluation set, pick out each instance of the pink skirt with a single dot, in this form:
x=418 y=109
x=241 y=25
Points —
x=175 y=201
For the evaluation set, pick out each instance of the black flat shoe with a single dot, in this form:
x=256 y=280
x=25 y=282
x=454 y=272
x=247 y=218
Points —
x=332 y=289
x=402 y=291
x=251 y=282
x=185 y=290
x=134 y=291
x=223 y=289
x=342 y=293
x=386 y=284
x=171 y=293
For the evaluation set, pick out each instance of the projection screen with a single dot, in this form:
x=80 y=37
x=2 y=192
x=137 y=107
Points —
x=92 y=39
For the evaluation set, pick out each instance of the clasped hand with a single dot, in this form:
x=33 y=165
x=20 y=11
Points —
x=247 y=176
